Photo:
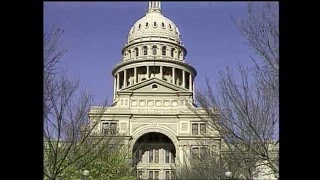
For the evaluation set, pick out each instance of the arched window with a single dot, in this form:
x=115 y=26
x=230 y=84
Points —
x=170 y=26
x=145 y=50
x=129 y=53
x=172 y=50
x=154 y=23
x=147 y=24
x=179 y=54
x=164 y=48
x=137 y=52
x=139 y=26
x=154 y=50
x=162 y=25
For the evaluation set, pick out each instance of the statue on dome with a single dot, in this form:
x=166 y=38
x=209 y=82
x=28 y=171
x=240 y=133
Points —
x=168 y=77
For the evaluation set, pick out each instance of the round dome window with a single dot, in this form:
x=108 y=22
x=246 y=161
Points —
x=154 y=86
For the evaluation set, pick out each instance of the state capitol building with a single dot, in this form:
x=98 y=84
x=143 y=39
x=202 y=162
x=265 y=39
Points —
x=153 y=103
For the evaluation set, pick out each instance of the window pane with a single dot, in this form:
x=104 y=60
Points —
x=150 y=156
x=194 y=129
x=150 y=174
x=172 y=157
x=172 y=50
x=203 y=151
x=167 y=156
x=195 y=152
x=157 y=156
x=105 y=128
x=113 y=128
x=164 y=50
x=140 y=155
x=145 y=50
x=167 y=174
x=173 y=174
x=156 y=175
x=203 y=128
x=154 y=50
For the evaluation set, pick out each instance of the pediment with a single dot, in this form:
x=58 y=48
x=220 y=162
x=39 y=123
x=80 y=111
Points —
x=154 y=85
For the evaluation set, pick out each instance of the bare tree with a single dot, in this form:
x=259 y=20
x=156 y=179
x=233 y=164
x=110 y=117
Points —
x=69 y=144
x=248 y=108
x=261 y=30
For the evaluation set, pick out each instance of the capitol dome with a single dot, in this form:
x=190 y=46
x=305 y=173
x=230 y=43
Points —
x=154 y=26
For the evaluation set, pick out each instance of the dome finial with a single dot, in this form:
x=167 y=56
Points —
x=154 y=6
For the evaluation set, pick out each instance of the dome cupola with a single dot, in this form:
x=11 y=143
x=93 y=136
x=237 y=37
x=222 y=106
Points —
x=154 y=26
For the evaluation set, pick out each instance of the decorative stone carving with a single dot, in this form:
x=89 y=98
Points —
x=155 y=75
x=134 y=103
x=174 y=103
x=142 y=103
x=150 y=103
x=166 y=103
x=130 y=82
x=142 y=77
x=168 y=78
x=158 y=103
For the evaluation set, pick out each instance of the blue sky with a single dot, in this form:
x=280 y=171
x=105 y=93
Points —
x=95 y=33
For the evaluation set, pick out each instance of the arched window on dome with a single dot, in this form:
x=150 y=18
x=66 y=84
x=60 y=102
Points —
x=164 y=49
x=179 y=55
x=154 y=23
x=170 y=27
x=137 y=52
x=172 y=51
x=147 y=24
x=129 y=53
x=139 y=26
x=154 y=50
x=145 y=50
x=162 y=25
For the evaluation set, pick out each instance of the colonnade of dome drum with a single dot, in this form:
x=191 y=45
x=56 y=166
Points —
x=173 y=75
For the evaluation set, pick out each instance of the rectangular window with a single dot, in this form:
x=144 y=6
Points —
x=167 y=156
x=150 y=156
x=156 y=156
x=113 y=128
x=173 y=174
x=139 y=175
x=156 y=174
x=150 y=174
x=105 y=128
x=194 y=129
x=167 y=175
x=202 y=128
x=195 y=152
x=203 y=152
x=109 y=128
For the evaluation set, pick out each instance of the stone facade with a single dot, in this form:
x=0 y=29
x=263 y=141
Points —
x=153 y=103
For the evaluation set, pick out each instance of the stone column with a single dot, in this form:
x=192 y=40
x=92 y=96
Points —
x=173 y=76
x=181 y=154
x=118 y=81
x=124 y=78
x=190 y=82
x=135 y=75
x=193 y=90
x=161 y=76
x=147 y=72
x=183 y=79
x=114 y=86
